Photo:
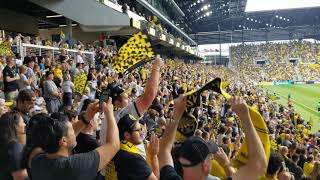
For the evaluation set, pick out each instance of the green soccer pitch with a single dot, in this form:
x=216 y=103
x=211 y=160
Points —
x=304 y=97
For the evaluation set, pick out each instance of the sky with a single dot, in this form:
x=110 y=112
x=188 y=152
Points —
x=267 y=5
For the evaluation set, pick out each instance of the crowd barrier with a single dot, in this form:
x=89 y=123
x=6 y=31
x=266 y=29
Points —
x=88 y=56
x=276 y=83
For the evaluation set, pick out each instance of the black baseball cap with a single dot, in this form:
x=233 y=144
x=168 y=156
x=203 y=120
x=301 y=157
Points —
x=195 y=150
x=115 y=91
x=126 y=123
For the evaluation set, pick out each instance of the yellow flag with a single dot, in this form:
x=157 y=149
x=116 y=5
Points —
x=80 y=81
x=257 y=120
x=136 y=52
x=5 y=48
x=62 y=35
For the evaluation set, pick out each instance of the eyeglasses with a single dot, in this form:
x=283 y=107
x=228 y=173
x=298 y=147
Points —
x=136 y=130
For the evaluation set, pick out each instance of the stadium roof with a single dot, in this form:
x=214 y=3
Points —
x=206 y=18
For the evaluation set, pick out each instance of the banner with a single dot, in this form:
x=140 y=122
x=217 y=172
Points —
x=265 y=83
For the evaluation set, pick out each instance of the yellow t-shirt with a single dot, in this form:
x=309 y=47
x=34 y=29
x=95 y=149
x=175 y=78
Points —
x=184 y=86
x=282 y=135
x=300 y=127
x=57 y=73
x=143 y=73
x=306 y=132
x=307 y=169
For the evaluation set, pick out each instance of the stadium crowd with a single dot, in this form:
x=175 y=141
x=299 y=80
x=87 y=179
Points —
x=277 y=56
x=52 y=132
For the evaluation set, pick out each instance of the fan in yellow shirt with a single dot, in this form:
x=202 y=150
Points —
x=308 y=166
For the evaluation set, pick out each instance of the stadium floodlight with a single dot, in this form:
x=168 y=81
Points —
x=277 y=16
x=284 y=19
x=198 y=1
x=258 y=5
x=255 y=21
x=280 y=17
x=248 y=19
x=54 y=16
x=208 y=14
x=240 y=26
x=288 y=20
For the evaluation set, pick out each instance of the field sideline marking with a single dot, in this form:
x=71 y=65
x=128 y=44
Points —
x=299 y=104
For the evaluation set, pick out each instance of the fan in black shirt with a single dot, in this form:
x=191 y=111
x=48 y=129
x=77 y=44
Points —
x=11 y=161
x=10 y=78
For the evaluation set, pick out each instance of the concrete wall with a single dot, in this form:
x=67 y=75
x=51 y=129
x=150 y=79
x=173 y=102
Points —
x=86 y=12
x=77 y=33
x=12 y=21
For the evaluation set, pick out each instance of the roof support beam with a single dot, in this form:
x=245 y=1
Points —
x=177 y=7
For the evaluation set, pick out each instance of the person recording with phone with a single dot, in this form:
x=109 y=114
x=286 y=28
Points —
x=123 y=105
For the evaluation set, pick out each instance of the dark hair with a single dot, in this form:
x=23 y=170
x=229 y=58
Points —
x=59 y=116
x=225 y=140
x=205 y=134
x=295 y=158
x=34 y=137
x=51 y=131
x=26 y=60
x=86 y=104
x=25 y=95
x=275 y=163
x=222 y=129
x=8 y=121
x=309 y=158
x=48 y=73
x=71 y=114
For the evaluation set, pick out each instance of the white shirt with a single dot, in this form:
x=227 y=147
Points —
x=79 y=59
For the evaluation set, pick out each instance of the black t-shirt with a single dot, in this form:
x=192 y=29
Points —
x=11 y=159
x=169 y=173
x=131 y=166
x=302 y=160
x=76 y=167
x=86 y=143
x=9 y=86
x=296 y=170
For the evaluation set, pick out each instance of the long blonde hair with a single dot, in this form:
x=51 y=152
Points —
x=315 y=174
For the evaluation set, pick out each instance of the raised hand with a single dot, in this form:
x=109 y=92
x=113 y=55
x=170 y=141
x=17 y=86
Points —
x=107 y=107
x=221 y=157
x=239 y=106
x=92 y=109
x=154 y=145
x=179 y=107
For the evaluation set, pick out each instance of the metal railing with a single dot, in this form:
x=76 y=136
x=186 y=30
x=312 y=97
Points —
x=26 y=49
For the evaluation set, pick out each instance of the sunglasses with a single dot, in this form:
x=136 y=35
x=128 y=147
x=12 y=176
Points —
x=136 y=130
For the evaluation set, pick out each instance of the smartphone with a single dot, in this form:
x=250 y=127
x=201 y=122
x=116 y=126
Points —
x=104 y=96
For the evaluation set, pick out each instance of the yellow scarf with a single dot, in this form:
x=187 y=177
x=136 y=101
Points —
x=111 y=173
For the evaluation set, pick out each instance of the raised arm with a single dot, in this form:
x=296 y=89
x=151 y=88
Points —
x=153 y=149
x=168 y=137
x=112 y=146
x=152 y=86
x=257 y=162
